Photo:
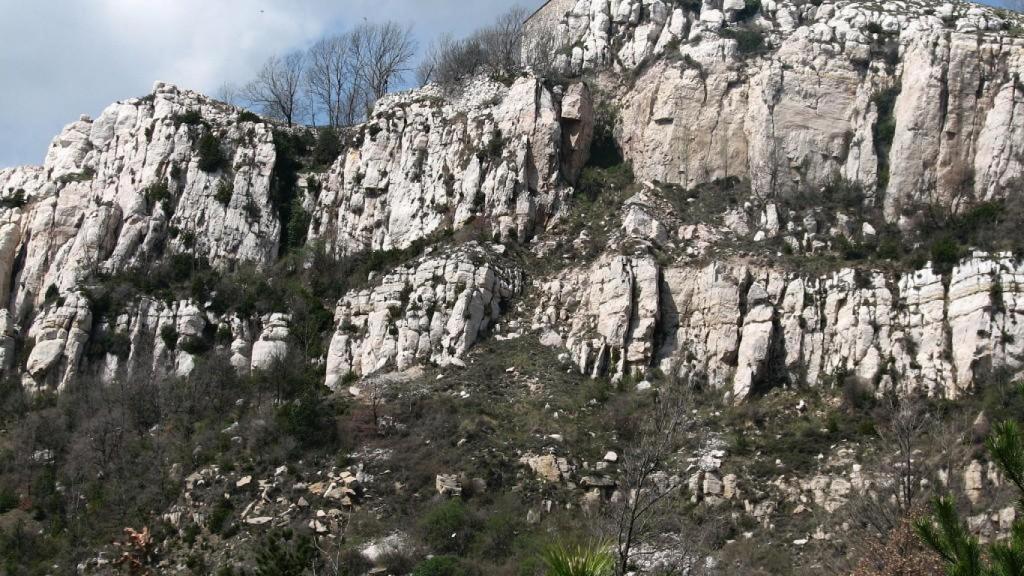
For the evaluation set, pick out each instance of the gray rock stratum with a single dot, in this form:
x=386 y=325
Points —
x=427 y=164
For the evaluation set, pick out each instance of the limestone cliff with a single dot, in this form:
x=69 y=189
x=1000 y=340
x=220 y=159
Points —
x=427 y=164
x=178 y=173
x=915 y=99
x=741 y=326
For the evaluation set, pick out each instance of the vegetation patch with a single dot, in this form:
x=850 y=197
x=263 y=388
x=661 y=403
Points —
x=211 y=156
x=159 y=193
x=225 y=190
x=884 y=131
x=17 y=199
x=188 y=118
x=748 y=41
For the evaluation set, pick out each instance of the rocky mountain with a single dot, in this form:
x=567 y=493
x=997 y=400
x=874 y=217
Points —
x=805 y=211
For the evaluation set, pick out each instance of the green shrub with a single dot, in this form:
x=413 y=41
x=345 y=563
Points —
x=328 y=147
x=314 y=186
x=247 y=116
x=309 y=419
x=193 y=345
x=448 y=528
x=211 y=157
x=750 y=9
x=108 y=341
x=15 y=200
x=224 y=336
x=290 y=149
x=496 y=538
x=495 y=147
x=594 y=180
x=158 y=193
x=440 y=566
x=884 y=131
x=748 y=41
x=283 y=554
x=689 y=5
x=8 y=499
x=220 y=516
x=188 y=118
x=945 y=254
x=888 y=249
x=225 y=189
x=298 y=224
x=580 y=560
x=169 y=335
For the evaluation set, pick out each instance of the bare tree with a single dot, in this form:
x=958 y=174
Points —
x=427 y=70
x=450 y=60
x=880 y=518
x=277 y=89
x=903 y=429
x=229 y=93
x=503 y=41
x=496 y=50
x=644 y=482
x=332 y=78
x=383 y=54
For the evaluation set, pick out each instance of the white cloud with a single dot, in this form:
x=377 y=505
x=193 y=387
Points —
x=62 y=58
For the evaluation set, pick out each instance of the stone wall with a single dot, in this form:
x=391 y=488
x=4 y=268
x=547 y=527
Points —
x=548 y=17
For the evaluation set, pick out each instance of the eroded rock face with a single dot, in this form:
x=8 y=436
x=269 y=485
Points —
x=432 y=310
x=427 y=164
x=144 y=340
x=127 y=187
x=810 y=106
x=741 y=327
x=135 y=185
x=272 y=345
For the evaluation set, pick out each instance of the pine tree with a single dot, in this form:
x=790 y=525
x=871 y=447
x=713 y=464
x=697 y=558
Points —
x=947 y=535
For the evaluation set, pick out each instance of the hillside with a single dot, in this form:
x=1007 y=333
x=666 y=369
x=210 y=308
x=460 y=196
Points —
x=783 y=238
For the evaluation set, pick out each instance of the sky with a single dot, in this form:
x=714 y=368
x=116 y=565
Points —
x=64 y=58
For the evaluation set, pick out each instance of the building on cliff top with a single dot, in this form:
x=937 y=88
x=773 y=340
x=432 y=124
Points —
x=548 y=17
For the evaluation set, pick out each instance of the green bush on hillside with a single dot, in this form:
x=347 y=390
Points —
x=748 y=41
x=211 y=157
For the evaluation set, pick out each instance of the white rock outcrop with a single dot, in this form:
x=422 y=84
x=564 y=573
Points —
x=433 y=310
x=797 y=94
x=135 y=185
x=740 y=326
x=426 y=165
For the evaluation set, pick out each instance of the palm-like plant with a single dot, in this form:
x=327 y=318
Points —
x=593 y=559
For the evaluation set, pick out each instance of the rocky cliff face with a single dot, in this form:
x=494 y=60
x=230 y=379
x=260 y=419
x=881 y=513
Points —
x=915 y=99
x=433 y=310
x=915 y=103
x=467 y=259
x=741 y=327
x=178 y=173
x=427 y=164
